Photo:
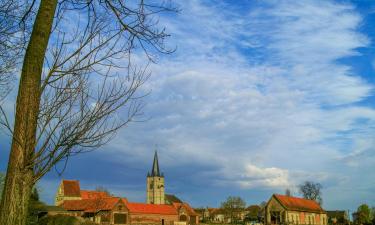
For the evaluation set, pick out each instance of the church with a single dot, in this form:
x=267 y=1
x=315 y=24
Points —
x=103 y=208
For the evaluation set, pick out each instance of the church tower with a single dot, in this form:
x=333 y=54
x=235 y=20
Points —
x=155 y=184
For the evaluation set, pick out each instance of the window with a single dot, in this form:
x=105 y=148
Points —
x=119 y=218
x=105 y=217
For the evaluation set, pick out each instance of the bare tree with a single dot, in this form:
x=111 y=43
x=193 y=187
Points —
x=312 y=191
x=104 y=190
x=13 y=34
x=77 y=74
x=233 y=206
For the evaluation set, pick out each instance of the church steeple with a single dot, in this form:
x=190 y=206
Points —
x=155 y=166
x=155 y=184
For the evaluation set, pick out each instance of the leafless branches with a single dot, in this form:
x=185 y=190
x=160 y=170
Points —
x=90 y=86
x=15 y=27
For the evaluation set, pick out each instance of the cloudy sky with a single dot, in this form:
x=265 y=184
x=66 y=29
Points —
x=259 y=97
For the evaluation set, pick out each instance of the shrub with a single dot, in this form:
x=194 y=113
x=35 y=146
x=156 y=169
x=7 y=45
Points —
x=59 y=220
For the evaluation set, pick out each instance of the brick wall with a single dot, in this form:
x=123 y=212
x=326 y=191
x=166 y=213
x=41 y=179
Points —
x=136 y=218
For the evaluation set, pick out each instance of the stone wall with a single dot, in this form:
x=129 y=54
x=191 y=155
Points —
x=155 y=190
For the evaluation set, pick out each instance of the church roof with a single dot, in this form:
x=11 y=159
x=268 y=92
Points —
x=298 y=204
x=155 y=166
x=169 y=199
x=151 y=208
x=71 y=188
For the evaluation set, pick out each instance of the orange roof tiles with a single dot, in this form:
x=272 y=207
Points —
x=298 y=204
x=93 y=194
x=190 y=211
x=71 y=188
x=92 y=205
x=151 y=208
x=76 y=205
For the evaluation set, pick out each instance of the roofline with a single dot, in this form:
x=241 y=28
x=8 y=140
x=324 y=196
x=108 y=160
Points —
x=154 y=213
x=298 y=210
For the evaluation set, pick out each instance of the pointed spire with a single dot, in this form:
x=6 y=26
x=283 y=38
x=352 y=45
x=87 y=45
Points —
x=155 y=166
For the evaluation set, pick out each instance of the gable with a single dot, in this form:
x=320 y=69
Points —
x=71 y=188
x=274 y=205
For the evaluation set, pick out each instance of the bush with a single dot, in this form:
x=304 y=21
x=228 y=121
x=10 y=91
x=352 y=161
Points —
x=64 y=220
x=59 y=220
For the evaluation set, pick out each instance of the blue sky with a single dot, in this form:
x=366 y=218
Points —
x=259 y=97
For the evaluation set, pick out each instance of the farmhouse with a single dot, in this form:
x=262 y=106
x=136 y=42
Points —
x=282 y=209
x=102 y=208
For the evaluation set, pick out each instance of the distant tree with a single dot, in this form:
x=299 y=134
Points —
x=252 y=213
x=103 y=189
x=34 y=195
x=35 y=205
x=263 y=204
x=363 y=215
x=232 y=207
x=312 y=191
x=288 y=192
x=2 y=179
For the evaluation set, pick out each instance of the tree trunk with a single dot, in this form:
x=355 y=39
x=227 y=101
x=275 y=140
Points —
x=20 y=175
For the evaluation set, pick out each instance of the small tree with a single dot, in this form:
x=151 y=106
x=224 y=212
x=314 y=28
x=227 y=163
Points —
x=312 y=191
x=103 y=189
x=232 y=207
x=35 y=206
x=363 y=214
x=2 y=178
x=252 y=213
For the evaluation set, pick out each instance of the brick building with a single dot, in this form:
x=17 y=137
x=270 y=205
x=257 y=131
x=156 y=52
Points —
x=282 y=209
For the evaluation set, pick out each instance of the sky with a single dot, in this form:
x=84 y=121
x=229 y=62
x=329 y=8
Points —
x=259 y=96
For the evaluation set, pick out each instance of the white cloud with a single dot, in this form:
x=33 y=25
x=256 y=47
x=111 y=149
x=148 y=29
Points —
x=264 y=177
x=263 y=87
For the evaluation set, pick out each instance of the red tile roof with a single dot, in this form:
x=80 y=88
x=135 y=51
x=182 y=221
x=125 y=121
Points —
x=93 y=194
x=298 y=204
x=92 y=205
x=190 y=211
x=71 y=188
x=151 y=208
x=76 y=205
